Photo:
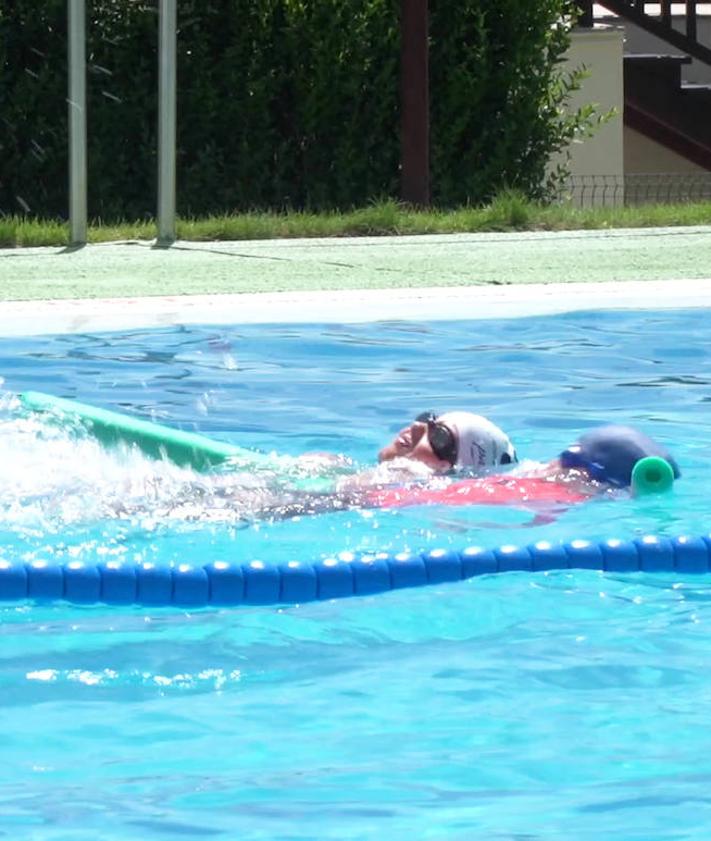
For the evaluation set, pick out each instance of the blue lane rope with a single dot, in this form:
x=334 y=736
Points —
x=345 y=574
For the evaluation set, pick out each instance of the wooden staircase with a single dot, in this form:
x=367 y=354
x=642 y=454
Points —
x=658 y=104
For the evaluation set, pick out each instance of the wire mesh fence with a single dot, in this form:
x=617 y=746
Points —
x=636 y=188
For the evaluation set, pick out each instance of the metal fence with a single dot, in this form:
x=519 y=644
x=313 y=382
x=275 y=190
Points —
x=636 y=188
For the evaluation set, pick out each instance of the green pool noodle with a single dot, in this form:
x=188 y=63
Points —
x=652 y=475
x=187 y=449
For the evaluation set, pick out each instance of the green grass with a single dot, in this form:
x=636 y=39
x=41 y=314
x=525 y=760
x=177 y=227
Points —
x=508 y=212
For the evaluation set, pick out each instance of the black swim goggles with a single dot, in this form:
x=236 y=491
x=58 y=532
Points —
x=442 y=440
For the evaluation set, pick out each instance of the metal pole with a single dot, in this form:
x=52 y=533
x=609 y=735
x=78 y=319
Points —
x=77 y=120
x=167 y=53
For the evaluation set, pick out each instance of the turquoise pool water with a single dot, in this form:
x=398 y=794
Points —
x=559 y=705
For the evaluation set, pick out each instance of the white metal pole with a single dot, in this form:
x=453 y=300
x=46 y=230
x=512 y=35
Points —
x=167 y=52
x=77 y=121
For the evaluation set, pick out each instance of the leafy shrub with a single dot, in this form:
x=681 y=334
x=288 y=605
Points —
x=281 y=103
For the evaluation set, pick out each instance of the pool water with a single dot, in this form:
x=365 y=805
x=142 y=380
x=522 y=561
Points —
x=557 y=705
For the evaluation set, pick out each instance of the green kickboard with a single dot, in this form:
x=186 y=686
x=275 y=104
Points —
x=187 y=449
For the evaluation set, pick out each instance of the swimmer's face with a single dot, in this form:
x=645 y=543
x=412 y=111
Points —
x=413 y=442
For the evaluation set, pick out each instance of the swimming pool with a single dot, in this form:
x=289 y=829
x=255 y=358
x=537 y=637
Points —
x=568 y=704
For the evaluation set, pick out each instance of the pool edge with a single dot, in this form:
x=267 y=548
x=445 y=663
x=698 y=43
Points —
x=22 y=318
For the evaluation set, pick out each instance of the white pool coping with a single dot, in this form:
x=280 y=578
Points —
x=25 y=318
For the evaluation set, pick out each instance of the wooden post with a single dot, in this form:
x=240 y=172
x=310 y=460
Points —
x=414 y=103
x=666 y=12
x=691 y=19
x=586 y=14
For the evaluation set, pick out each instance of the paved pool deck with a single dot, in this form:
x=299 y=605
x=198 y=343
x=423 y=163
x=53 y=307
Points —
x=122 y=284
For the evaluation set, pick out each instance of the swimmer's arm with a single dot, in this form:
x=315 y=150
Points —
x=396 y=472
x=318 y=461
x=304 y=504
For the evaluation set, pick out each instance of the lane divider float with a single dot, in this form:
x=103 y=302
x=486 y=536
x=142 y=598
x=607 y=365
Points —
x=345 y=574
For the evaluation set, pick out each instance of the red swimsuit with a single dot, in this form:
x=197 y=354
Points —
x=493 y=490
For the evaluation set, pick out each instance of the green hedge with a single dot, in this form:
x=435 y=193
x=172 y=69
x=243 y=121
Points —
x=281 y=104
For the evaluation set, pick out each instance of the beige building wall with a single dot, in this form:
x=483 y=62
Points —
x=597 y=162
x=643 y=155
x=654 y=173
x=618 y=164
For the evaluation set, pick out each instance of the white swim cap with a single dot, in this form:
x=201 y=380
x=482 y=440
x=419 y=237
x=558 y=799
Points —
x=480 y=443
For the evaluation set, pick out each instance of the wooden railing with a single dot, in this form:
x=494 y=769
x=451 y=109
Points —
x=657 y=24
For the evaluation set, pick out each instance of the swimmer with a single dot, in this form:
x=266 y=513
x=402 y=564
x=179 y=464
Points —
x=438 y=445
x=452 y=441
x=420 y=467
x=602 y=460
x=431 y=447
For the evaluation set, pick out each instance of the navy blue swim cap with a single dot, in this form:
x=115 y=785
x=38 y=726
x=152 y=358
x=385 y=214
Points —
x=609 y=454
